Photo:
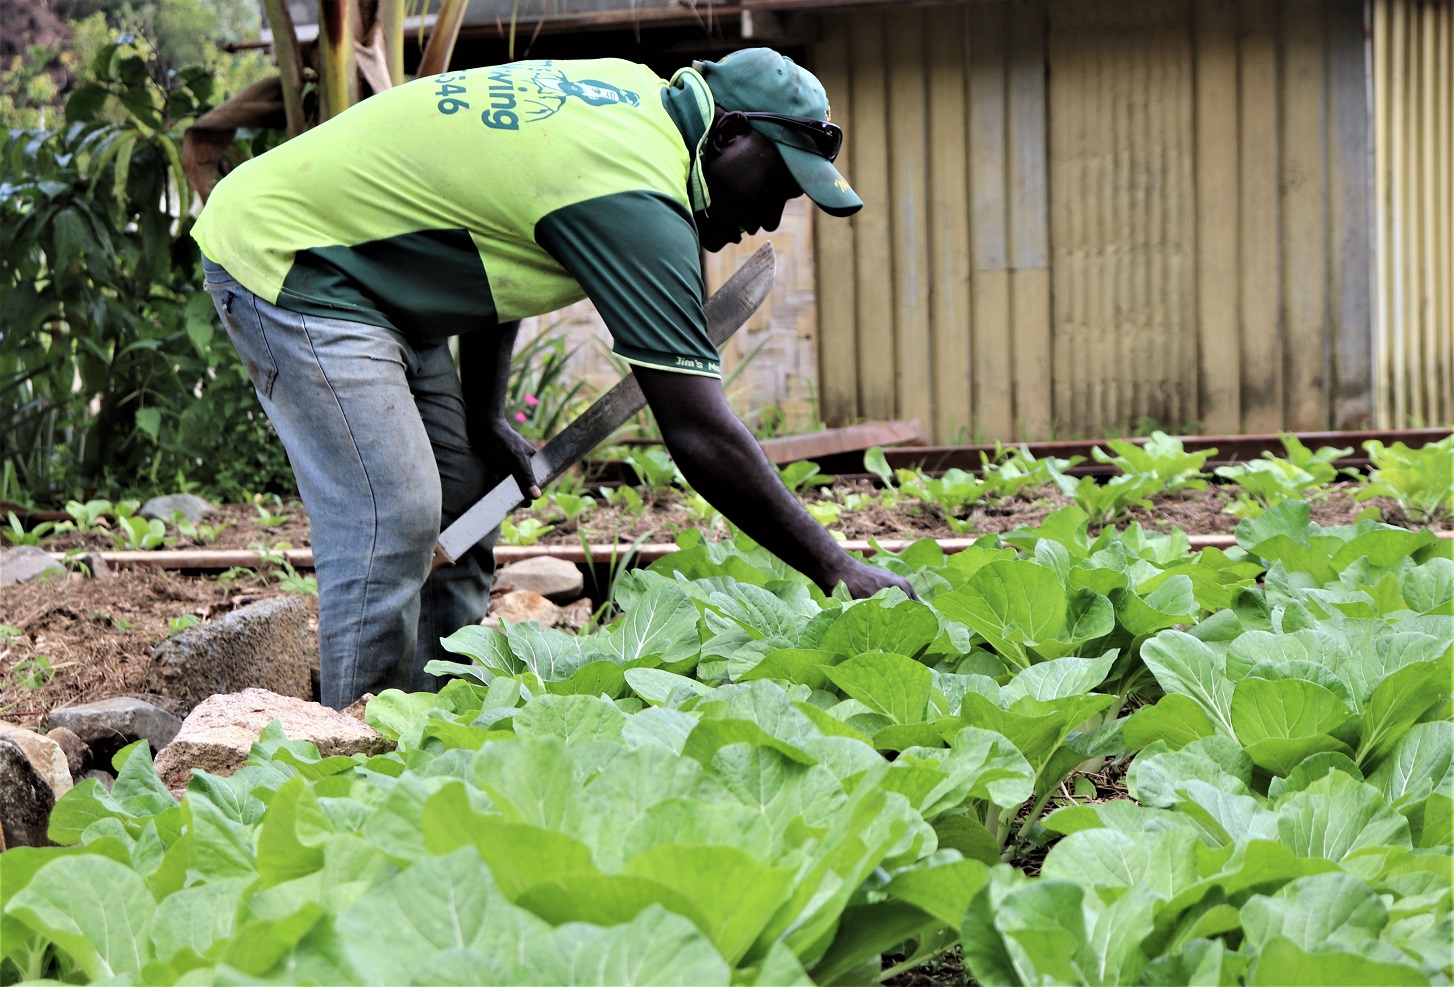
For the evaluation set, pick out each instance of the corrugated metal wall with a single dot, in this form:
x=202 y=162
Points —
x=1413 y=46
x=1087 y=214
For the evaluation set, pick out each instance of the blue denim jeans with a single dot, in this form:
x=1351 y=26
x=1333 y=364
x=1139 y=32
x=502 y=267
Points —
x=374 y=427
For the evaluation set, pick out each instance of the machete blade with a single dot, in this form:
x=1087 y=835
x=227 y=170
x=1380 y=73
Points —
x=728 y=308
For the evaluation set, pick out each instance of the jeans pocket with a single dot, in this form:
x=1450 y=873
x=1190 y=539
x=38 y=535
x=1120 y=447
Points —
x=244 y=324
x=215 y=278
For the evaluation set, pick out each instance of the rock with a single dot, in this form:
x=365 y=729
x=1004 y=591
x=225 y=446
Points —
x=523 y=605
x=260 y=646
x=358 y=706
x=177 y=707
x=219 y=734
x=23 y=563
x=555 y=579
x=25 y=799
x=77 y=751
x=46 y=755
x=193 y=508
x=577 y=615
x=95 y=564
x=108 y=725
x=106 y=779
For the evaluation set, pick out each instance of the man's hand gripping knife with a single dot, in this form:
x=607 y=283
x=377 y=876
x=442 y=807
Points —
x=485 y=356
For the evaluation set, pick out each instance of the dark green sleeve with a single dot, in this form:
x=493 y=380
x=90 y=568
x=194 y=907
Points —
x=636 y=255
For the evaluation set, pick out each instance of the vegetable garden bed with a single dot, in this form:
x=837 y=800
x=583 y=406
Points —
x=870 y=778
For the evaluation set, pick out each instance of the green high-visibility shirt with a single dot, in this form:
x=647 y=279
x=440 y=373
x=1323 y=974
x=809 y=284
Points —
x=456 y=202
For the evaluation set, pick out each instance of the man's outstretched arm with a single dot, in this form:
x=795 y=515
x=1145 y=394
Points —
x=723 y=462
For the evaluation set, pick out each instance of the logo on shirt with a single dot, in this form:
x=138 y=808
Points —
x=525 y=92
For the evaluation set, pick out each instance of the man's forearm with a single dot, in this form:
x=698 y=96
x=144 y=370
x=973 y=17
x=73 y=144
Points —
x=720 y=458
x=484 y=365
x=730 y=470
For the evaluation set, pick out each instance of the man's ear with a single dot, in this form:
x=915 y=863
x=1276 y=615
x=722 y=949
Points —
x=729 y=126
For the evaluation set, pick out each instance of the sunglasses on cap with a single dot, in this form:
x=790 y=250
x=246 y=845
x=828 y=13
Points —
x=817 y=136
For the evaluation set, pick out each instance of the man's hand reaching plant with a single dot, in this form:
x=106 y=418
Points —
x=864 y=580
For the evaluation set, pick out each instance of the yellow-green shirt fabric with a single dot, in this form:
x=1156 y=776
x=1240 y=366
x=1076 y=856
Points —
x=455 y=202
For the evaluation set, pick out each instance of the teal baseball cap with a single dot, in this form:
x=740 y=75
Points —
x=786 y=103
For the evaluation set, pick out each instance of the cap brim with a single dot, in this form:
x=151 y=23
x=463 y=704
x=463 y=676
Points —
x=820 y=181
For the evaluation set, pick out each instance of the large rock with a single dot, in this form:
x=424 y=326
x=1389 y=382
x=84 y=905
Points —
x=26 y=562
x=521 y=606
x=193 y=508
x=25 y=799
x=108 y=725
x=219 y=734
x=46 y=756
x=78 y=752
x=263 y=645
x=555 y=579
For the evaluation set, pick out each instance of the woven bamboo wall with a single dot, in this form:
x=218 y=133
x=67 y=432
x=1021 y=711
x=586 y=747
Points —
x=1087 y=214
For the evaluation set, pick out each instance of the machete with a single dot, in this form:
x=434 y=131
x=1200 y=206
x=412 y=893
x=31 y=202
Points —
x=726 y=310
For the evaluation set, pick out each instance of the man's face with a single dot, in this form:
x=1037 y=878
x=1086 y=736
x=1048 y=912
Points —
x=747 y=180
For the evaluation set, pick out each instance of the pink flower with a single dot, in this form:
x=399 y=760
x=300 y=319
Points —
x=519 y=416
x=531 y=400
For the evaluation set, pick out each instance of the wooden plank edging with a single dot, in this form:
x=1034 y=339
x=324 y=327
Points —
x=302 y=558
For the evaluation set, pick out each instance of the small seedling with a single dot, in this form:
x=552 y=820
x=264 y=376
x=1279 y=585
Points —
x=103 y=617
x=140 y=534
x=30 y=674
x=825 y=512
x=201 y=534
x=17 y=534
x=88 y=515
x=626 y=498
x=798 y=476
x=268 y=519
x=527 y=532
x=1421 y=480
x=654 y=470
x=1162 y=458
x=573 y=506
x=699 y=510
x=294 y=581
x=184 y=621
x=876 y=463
x=235 y=573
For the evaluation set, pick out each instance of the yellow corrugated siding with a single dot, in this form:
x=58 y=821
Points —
x=1152 y=209
x=1123 y=225
x=1413 y=110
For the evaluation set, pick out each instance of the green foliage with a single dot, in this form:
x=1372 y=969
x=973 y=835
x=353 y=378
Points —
x=1421 y=480
x=1162 y=457
x=1270 y=480
x=526 y=531
x=17 y=533
x=868 y=778
x=542 y=399
x=798 y=476
x=654 y=469
x=88 y=515
x=138 y=534
x=182 y=621
x=112 y=373
x=1108 y=502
